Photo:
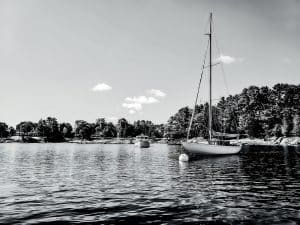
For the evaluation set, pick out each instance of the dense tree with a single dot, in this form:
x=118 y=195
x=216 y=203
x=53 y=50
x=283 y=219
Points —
x=100 y=126
x=254 y=127
x=42 y=129
x=84 y=130
x=200 y=122
x=145 y=127
x=66 y=130
x=105 y=129
x=122 y=127
x=178 y=124
x=26 y=128
x=110 y=130
x=49 y=129
x=11 y=131
x=256 y=111
x=158 y=131
x=3 y=130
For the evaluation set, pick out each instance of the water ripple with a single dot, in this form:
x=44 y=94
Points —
x=121 y=184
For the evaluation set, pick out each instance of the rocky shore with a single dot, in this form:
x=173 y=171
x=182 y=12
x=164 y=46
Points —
x=290 y=141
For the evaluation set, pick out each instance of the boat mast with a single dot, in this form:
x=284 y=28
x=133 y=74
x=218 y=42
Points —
x=210 y=81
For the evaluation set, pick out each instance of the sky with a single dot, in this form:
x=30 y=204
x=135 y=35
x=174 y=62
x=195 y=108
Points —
x=138 y=59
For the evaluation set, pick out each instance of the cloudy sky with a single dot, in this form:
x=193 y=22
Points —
x=139 y=59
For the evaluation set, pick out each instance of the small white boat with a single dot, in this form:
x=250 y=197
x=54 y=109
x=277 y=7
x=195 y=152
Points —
x=142 y=141
x=212 y=146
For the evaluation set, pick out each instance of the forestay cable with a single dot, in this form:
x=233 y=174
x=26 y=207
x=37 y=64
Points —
x=198 y=89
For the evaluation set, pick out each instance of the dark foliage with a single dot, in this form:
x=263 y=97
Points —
x=49 y=129
x=3 y=130
x=257 y=112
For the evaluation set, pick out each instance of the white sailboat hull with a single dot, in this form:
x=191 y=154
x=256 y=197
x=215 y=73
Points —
x=207 y=149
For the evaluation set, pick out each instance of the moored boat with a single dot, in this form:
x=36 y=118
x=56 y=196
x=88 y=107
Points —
x=142 y=141
x=210 y=149
x=211 y=146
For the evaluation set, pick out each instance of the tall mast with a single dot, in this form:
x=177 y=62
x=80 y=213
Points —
x=210 y=81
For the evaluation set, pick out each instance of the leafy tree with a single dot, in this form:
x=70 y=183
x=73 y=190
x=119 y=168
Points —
x=110 y=130
x=43 y=129
x=122 y=127
x=11 y=131
x=84 y=129
x=49 y=129
x=145 y=127
x=3 y=130
x=256 y=111
x=104 y=129
x=66 y=130
x=254 y=127
x=158 y=131
x=26 y=128
x=178 y=124
x=100 y=126
x=130 y=132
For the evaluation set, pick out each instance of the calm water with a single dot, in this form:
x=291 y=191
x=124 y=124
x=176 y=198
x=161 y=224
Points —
x=109 y=184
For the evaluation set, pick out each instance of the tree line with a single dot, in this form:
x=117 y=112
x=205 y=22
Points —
x=52 y=131
x=255 y=112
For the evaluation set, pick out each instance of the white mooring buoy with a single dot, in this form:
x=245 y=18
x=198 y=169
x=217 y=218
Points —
x=183 y=157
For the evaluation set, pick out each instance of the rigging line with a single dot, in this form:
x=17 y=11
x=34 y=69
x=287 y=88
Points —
x=222 y=64
x=198 y=89
x=225 y=80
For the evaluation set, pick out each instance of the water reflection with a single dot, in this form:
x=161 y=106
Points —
x=114 y=183
x=263 y=163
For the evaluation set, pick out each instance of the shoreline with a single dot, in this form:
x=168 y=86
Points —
x=281 y=141
x=39 y=140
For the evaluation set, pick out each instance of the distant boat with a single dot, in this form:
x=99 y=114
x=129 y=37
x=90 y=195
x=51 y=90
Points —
x=210 y=146
x=142 y=141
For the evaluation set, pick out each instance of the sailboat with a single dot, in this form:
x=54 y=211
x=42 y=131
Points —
x=211 y=146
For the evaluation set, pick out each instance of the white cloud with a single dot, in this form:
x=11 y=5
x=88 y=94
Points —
x=157 y=93
x=135 y=106
x=142 y=100
x=226 y=59
x=135 y=103
x=131 y=111
x=102 y=87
